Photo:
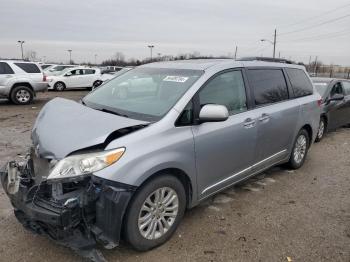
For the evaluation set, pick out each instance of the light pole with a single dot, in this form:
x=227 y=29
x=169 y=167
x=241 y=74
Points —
x=70 y=55
x=21 y=42
x=272 y=42
x=95 y=59
x=236 y=52
x=151 y=47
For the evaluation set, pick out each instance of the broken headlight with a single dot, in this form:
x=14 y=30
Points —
x=79 y=165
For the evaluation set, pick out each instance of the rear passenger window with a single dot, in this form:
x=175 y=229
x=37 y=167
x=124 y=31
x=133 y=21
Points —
x=89 y=71
x=225 y=89
x=5 y=69
x=346 y=86
x=29 y=68
x=269 y=86
x=300 y=82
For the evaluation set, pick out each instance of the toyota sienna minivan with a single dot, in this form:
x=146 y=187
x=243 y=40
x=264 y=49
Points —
x=128 y=159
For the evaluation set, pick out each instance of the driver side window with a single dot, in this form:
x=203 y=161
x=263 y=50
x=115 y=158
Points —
x=225 y=89
x=337 y=89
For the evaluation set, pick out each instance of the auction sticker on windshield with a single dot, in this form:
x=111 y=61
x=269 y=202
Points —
x=178 y=79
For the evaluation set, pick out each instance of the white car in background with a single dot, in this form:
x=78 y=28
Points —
x=56 y=69
x=78 y=77
x=106 y=76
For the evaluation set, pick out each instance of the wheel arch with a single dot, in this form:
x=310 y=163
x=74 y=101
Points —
x=27 y=84
x=308 y=129
x=325 y=117
x=179 y=174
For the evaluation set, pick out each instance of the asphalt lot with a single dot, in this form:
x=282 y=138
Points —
x=303 y=214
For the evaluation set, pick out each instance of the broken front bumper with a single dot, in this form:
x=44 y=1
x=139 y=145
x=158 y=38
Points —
x=77 y=214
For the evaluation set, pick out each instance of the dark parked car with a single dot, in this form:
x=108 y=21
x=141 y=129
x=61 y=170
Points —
x=335 y=103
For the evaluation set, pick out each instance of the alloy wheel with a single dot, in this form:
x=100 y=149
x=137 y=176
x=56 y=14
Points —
x=300 y=149
x=22 y=96
x=321 y=130
x=158 y=213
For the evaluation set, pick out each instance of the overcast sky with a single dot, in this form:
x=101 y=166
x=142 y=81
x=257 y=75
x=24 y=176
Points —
x=214 y=27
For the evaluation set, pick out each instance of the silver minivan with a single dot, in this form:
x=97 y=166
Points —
x=135 y=153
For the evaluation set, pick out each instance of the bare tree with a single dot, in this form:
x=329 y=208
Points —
x=31 y=55
x=119 y=57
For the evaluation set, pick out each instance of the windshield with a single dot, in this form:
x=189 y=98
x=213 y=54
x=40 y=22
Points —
x=143 y=93
x=321 y=87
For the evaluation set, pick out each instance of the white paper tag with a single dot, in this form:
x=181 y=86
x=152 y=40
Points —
x=177 y=79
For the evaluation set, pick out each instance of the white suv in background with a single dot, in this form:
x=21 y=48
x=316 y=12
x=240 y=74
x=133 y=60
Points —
x=78 y=77
x=20 y=81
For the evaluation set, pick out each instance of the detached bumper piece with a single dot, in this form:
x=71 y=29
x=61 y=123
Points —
x=76 y=214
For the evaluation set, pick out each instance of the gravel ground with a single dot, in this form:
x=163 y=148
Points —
x=301 y=215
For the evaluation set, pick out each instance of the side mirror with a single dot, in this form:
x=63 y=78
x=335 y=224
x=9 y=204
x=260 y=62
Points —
x=213 y=113
x=336 y=97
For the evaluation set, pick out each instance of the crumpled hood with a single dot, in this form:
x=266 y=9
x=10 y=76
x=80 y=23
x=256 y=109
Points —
x=64 y=126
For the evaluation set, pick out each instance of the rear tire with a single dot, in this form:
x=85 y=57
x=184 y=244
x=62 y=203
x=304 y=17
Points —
x=322 y=129
x=97 y=83
x=151 y=219
x=59 y=86
x=300 y=149
x=22 y=95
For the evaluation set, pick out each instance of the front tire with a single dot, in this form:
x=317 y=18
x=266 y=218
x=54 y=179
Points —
x=155 y=212
x=322 y=129
x=300 y=149
x=22 y=95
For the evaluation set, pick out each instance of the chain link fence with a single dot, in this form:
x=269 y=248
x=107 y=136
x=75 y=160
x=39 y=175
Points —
x=331 y=71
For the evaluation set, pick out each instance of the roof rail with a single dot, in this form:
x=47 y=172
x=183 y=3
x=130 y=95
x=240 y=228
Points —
x=266 y=59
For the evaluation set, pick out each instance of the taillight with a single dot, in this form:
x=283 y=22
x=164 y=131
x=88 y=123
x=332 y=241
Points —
x=44 y=78
x=319 y=102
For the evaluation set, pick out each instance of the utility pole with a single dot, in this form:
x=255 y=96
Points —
x=21 y=42
x=309 y=65
x=70 y=55
x=151 y=47
x=274 y=44
x=315 y=66
x=236 y=52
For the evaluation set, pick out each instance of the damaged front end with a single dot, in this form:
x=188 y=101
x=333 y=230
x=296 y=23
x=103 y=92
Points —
x=76 y=213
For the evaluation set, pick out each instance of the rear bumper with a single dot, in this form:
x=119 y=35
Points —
x=87 y=211
x=40 y=86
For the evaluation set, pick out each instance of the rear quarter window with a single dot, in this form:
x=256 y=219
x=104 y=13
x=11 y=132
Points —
x=5 y=69
x=301 y=84
x=28 y=67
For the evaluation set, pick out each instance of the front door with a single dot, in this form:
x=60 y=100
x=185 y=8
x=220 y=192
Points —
x=224 y=150
x=346 y=112
x=337 y=109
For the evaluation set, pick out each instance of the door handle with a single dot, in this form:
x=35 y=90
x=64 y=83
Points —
x=249 y=123
x=264 y=118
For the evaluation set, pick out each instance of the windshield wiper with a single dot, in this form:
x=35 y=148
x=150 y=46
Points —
x=112 y=112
